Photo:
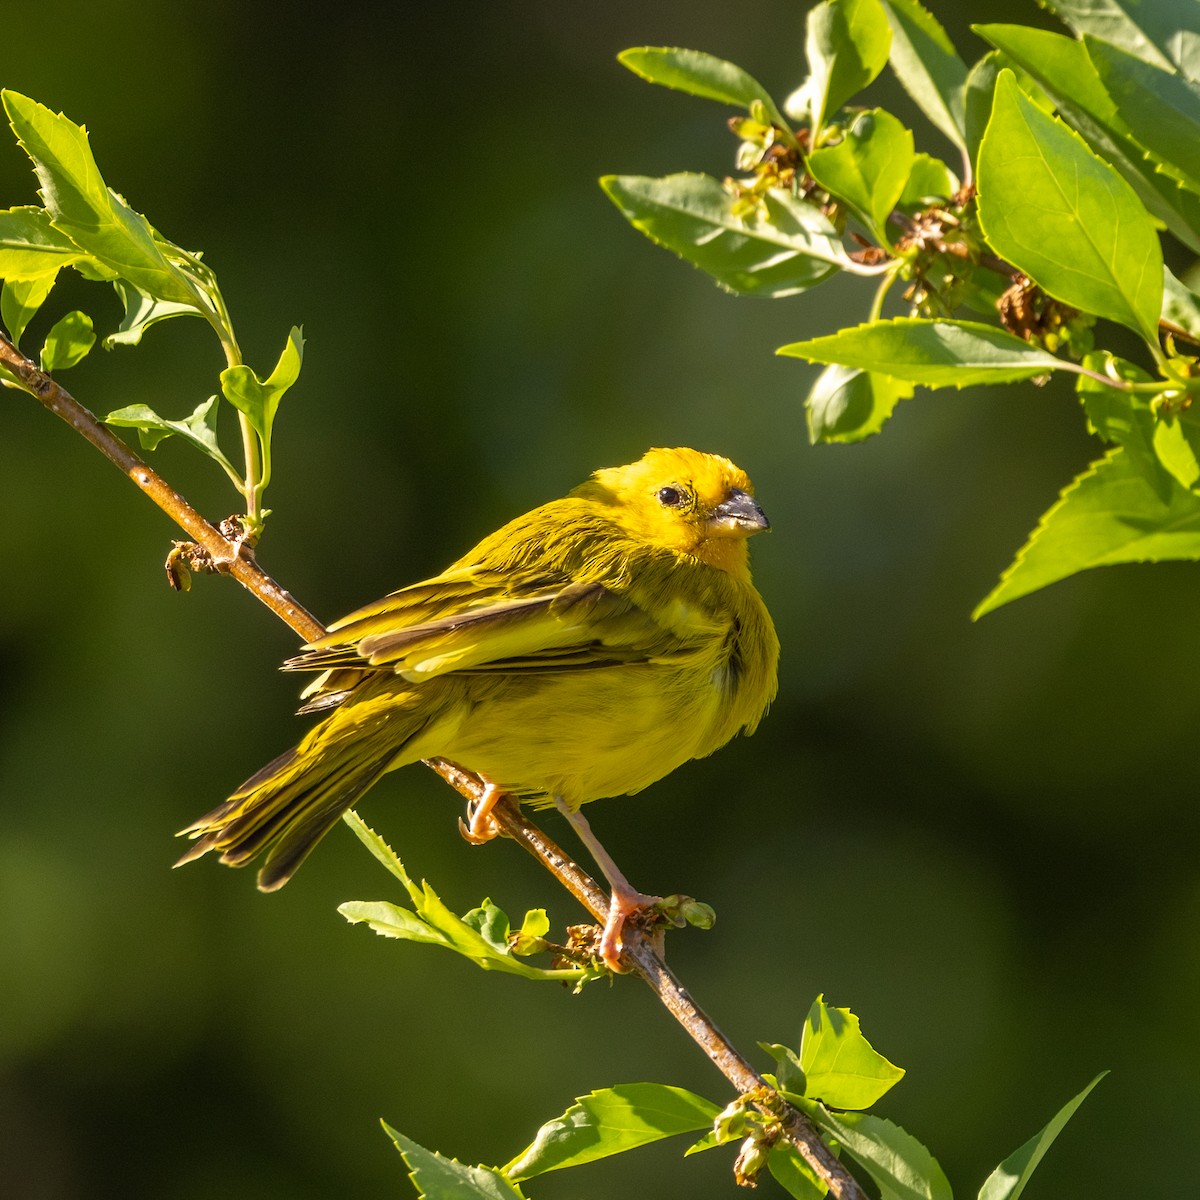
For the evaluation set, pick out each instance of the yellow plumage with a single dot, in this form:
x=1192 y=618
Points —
x=585 y=649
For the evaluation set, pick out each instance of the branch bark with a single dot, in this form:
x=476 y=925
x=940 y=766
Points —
x=237 y=559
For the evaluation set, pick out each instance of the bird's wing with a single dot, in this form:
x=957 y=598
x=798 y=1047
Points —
x=574 y=625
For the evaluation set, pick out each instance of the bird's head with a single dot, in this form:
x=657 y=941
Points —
x=685 y=501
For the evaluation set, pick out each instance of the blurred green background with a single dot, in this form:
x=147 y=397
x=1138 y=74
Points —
x=982 y=838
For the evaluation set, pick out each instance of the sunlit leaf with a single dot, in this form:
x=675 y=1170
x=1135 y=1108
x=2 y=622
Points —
x=68 y=342
x=1063 y=216
x=141 y=311
x=841 y=1068
x=931 y=352
x=30 y=246
x=777 y=249
x=1008 y=1180
x=438 y=1178
x=20 y=301
x=928 y=66
x=611 y=1121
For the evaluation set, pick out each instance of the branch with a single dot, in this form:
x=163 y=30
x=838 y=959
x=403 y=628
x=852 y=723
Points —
x=234 y=557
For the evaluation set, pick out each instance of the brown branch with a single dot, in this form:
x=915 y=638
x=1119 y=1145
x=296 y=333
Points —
x=235 y=558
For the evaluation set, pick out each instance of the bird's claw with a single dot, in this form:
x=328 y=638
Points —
x=481 y=825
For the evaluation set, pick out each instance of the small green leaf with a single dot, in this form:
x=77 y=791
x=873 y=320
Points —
x=259 y=398
x=1181 y=306
x=840 y=1066
x=1008 y=1180
x=868 y=168
x=142 y=311
x=929 y=181
x=1115 y=512
x=528 y=939
x=611 y=1121
x=933 y=353
x=1160 y=108
x=30 y=246
x=439 y=1178
x=928 y=66
x=68 y=342
x=200 y=429
x=20 y=301
x=480 y=936
x=1063 y=216
x=1177 y=447
x=847 y=43
x=790 y=1170
x=83 y=208
x=780 y=249
x=902 y=1168
x=847 y=405
x=702 y=75
x=789 y=1074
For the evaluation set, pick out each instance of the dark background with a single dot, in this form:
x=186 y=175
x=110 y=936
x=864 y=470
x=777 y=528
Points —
x=982 y=838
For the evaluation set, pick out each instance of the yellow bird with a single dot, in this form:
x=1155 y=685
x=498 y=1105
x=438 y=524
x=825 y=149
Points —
x=586 y=649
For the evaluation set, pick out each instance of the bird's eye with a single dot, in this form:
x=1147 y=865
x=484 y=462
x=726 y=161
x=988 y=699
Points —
x=671 y=497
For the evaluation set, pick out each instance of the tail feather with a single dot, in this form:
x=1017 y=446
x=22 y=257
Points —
x=287 y=807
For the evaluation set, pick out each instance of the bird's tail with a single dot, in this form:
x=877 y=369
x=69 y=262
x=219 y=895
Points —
x=288 y=806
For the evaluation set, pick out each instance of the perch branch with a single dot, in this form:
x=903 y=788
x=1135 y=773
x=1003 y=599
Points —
x=233 y=557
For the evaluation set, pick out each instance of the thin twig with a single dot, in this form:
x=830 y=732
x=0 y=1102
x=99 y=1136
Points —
x=237 y=559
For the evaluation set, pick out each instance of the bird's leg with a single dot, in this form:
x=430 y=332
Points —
x=480 y=826
x=626 y=900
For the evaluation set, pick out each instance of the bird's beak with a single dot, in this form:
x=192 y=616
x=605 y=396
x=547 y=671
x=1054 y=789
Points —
x=738 y=516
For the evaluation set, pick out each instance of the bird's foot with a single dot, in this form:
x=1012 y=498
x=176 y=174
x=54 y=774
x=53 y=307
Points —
x=625 y=903
x=481 y=826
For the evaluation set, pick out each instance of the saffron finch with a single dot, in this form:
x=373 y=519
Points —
x=586 y=649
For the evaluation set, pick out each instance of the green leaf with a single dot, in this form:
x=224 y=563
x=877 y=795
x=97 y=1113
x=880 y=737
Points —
x=928 y=67
x=142 y=311
x=611 y=1121
x=840 y=1066
x=1120 y=510
x=789 y=1074
x=441 y=1178
x=1125 y=418
x=1175 y=23
x=20 y=301
x=789 y=1169
x=68 y=342
x=92 y=216
x=779 y=249
x=847 y=405
x=259 y=398
x=847 y=43
x=481 y=935
x=1008 y=1180
x=700 y=74
x=30 y=246
x=1181 y=306
x=933 y=353
x=1063 y=69
x=1062 y=215
x=929 y=181
x=868 y=168
x=200 y=429
x=902 y=1168
x=1160 y=108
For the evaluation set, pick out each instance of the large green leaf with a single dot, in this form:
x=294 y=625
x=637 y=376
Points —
x=1062 y=68
x=1008 y=1180
x=791 y=1171
x=1120 y=510
x=81 y=205
x=782 y=248
x=841 y=1068
x=846 y=43
x=868 y=168
x=438 y=1178
x=1063 y=216
x=30 y=246
x=1161 y=108
x=700 y=74
x=611 y=1121
x=1163 y=32
x=928 y=66
x=933 y=353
